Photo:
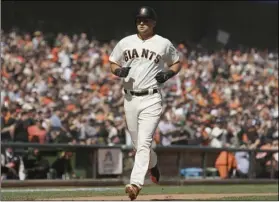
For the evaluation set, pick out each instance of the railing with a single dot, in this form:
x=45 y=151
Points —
x=201 y=156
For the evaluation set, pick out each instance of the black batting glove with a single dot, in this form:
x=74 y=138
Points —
x=162 y=77
x=122 y=72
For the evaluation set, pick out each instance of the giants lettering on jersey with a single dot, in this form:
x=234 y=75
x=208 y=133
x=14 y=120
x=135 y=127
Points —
x=145 y=53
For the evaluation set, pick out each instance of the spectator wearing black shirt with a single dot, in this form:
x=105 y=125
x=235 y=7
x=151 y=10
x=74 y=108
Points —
x=62 y=166
x=19 y=131
x=7 y=120
x=36 y=166
x=250 y=135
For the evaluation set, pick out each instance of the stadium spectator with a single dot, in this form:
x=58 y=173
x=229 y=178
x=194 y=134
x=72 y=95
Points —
x=7 y=120
x=36 y=166
x=11 y=165
x=62 y=167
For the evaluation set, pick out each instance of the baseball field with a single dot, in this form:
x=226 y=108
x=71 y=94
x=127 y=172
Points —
x=163 y=193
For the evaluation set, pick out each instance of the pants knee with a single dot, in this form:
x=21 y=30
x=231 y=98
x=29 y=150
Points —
x=144 y=146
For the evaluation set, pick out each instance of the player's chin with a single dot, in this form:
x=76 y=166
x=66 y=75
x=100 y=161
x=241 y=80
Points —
x=142 y=31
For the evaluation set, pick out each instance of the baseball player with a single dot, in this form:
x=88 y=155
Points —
x=139 y=59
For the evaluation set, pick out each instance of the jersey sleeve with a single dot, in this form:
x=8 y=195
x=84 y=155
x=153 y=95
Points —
x=116 y=54
x=171 y=55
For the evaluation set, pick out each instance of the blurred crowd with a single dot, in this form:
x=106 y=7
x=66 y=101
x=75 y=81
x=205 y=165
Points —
x=223 y=99
x=63 y=92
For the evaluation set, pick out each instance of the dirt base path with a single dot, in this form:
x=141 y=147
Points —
x=164 y=197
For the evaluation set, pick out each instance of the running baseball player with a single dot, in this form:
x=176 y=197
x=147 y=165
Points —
x=139 y=59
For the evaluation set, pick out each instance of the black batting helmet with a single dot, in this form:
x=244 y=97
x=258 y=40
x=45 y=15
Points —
x=146 y=12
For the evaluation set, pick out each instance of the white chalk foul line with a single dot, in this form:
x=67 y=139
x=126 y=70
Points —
x=100 y=189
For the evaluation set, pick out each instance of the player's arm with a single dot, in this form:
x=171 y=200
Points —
x=114 y=66
x=175 y=68
x=115 y=61
x=173 y=61
x=118 y=70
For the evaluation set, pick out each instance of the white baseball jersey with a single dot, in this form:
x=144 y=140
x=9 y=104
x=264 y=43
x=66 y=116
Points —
x=145 y=57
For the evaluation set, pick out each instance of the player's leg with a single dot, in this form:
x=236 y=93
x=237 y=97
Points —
x=149 y=116
x=153 y=159
x=131 y=113
x=153 y=168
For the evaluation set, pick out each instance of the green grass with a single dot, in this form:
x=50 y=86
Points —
x=192 y=189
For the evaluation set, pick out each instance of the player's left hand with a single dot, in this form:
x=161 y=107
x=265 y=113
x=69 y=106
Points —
x=122 y=71
x=162 y=77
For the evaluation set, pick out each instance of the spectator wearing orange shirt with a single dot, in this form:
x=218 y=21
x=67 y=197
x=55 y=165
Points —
x=38 y=131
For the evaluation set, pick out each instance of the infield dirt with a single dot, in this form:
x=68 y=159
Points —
x=166 y=197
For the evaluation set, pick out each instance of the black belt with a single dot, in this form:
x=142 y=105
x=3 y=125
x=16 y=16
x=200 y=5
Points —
x=142 y=93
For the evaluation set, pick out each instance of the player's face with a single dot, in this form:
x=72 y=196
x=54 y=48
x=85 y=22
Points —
x=144 y=25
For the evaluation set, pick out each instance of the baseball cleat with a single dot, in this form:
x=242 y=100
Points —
x=132 y=191
x=154 y=174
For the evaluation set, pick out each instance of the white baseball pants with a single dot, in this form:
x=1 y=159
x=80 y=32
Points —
x=142 y=116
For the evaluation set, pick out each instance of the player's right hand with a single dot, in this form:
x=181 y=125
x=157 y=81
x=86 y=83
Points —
x=122 y=72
